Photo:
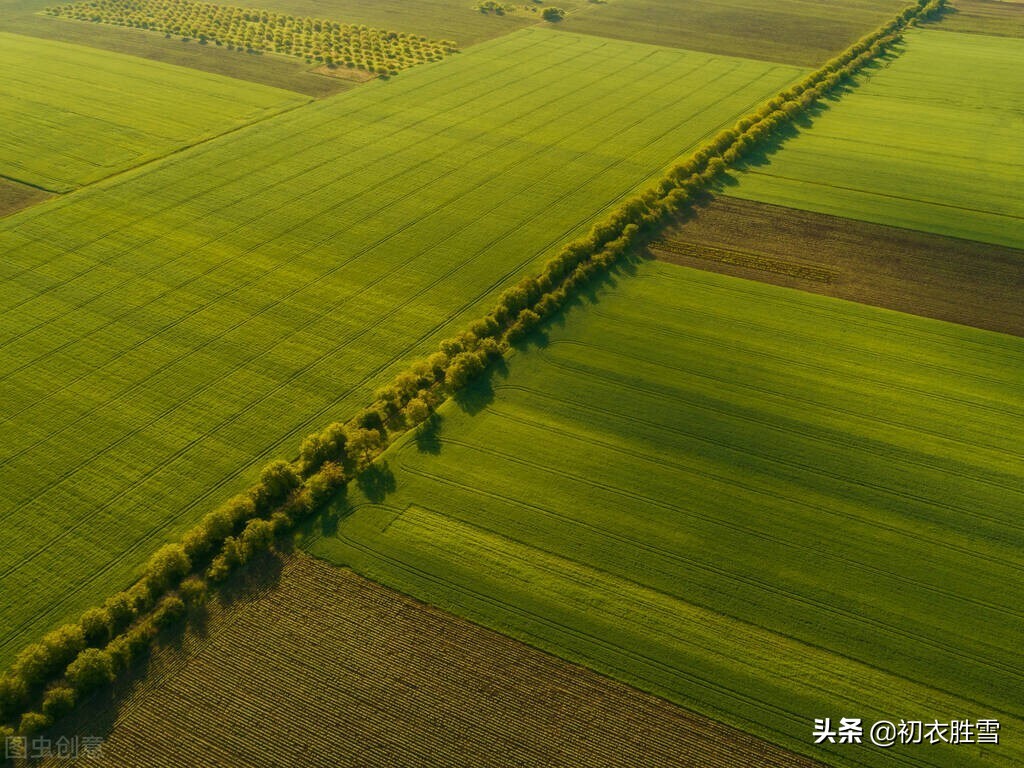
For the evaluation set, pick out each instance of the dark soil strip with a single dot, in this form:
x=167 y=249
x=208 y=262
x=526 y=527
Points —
x=320 y=667
x=961 y=281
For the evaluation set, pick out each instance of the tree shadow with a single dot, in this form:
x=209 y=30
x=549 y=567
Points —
x=261 y=573
x=946 y=10
x=98 y=713
x=479 y=393
x=428 y=435
x=377 y=481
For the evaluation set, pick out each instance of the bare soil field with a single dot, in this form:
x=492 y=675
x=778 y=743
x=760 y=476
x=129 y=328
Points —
x=324 y=668
x=15 y=196
x=947 y=278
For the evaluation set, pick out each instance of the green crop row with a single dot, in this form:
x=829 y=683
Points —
x=289 y=288
x=112 y=636
x=254 y=29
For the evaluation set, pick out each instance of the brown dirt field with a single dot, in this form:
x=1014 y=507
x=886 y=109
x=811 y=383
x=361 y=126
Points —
x=942 y=277
x=325 y=668
x=15 y=196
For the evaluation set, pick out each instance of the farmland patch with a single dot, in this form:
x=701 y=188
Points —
x=791 y=31
x=929 y=142
x=390 y=681
x=167 y=333
x=15 y=196
x=947 y=278
x=323 y=41
x=64 y=119
x=697 y=484
x=987 y=17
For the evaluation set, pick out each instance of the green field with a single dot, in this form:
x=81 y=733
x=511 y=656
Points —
x=792 y=31
x=766 y=505
x=447 y=19
x=165 y=333
x=930 y=142
x=63 y=121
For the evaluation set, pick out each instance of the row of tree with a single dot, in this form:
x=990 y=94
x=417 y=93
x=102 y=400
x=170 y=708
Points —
x=251 y=29
x=77 y=658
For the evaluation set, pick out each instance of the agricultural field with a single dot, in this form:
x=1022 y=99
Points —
x=26 y=18
x=988 y=17
x=789 y=31
x=324 y=41
x=960 y=281
x=903 y=148
x=168 y=332
x=456 y=382
x=390 y=682
x=764 y=505
x=456 y=20
x=439 y=19
x=63 y=122
x=15 y=196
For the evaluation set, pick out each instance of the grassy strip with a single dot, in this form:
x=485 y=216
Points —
x=49 y=677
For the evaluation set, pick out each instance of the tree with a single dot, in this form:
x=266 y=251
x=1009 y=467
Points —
x=96 y=624
x=416 y=411
x=58 y=702
x=12 y=695
x=194 y=590
x=277 y=480
x=553 y=14
x=362 y=446
x=33 y=723
x=170 y=611
x=93 y=668
x=463 y=367
x=167 y=566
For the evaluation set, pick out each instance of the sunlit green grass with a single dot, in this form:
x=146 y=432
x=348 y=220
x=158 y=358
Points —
x=163 y=336
x=71 y=115
x=765 y=505
x=931 y=141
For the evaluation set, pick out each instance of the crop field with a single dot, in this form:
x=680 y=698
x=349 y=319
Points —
x=391 y=682
x=765 y=505
x=609 y=383
x=285 y=72
x=903 y=148
x=988 y=17
x=960 y=281
x=166 y=333
x=63 y=121
x=325 y=41
x=456 y=20
x=791 y=31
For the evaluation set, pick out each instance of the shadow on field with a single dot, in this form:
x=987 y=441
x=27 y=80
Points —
x=769 y=146
x=479 y=393
x=97 y=715
x=428 y=435
x=377 y=481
